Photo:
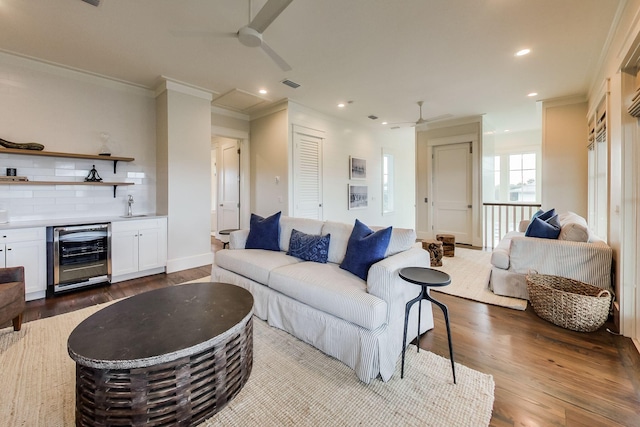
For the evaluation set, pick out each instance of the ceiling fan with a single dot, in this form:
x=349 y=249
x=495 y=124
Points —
x=251 y=35
x=422 y=120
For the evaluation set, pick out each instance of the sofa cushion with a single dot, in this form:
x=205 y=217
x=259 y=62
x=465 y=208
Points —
x=328 y=288
x=547 y=229
x=365 y=248
x=309 y=247
x=573 y=227
x=340 y=233
x=264 y=233
x=255 y=264
x=306 y=225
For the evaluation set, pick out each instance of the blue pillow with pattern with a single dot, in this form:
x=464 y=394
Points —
x=309 y=247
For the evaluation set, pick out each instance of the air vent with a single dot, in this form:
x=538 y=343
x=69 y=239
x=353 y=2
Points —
x=93 y=2
x=291 y=83
x=372 y=117
x=394 y=127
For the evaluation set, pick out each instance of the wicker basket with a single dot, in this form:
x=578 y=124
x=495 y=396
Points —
x=568 y=303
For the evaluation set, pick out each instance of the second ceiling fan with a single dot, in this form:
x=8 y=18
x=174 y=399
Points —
x=422 y=120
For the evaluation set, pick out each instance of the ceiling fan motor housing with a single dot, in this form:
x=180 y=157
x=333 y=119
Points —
x=249 y=37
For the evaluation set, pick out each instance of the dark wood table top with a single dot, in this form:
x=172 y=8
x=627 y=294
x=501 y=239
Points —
x=158 y=326
x=425 y=276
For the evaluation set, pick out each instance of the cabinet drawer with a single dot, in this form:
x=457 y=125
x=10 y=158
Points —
x=22 y=235
x=134 y=224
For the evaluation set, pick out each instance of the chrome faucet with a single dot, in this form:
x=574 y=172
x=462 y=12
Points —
x=129 y=203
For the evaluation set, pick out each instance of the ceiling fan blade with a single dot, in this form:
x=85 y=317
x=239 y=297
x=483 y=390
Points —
x=203 y=33
x=268 y=14
x=275 y=57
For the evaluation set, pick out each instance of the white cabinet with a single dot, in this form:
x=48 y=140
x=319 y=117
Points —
x=26 y=247
x=138 y=248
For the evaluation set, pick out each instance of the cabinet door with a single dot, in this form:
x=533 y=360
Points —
x=124 y=252
x=3 y=251
x=149 y=249
x=32 y=256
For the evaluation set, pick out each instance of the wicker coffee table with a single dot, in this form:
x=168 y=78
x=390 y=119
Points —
x=172 y=356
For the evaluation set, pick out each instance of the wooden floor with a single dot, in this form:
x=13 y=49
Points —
x=544 y=375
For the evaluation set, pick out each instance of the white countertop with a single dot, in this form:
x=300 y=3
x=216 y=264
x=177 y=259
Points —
x=52 y=222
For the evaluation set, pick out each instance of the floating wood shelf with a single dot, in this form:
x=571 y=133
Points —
x=98 y=183
x=114 y=159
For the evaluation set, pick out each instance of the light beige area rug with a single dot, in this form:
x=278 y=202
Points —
x=469 y=270
x=292 y=384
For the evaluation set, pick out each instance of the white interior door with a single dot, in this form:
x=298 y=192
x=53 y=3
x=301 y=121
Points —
x=228 y=185
x=307 y=176
x=452 y=192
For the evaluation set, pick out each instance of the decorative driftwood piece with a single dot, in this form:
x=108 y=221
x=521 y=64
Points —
x=448 y=243
x=21 y=146
x=435 y=251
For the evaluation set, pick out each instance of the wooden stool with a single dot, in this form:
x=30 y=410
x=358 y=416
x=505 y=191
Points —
x=448 y=243
x=435 y=251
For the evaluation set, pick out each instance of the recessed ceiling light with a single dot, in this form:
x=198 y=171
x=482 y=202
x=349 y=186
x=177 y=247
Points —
x=263 y=91
x=532 y=94
x=523 y=52
x=341 y=105
x=384 y=123
x=506 y=130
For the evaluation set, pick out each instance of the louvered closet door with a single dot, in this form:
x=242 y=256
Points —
x=307 y=175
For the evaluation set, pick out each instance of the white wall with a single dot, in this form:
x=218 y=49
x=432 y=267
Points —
x=564 y=155
x=269 y=159
x=185 y=157
x=66 y=111
x=344 y=139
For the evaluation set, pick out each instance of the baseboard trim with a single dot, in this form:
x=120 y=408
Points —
x=186 y=263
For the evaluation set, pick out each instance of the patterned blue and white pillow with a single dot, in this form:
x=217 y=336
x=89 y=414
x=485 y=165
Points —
x=309 y=247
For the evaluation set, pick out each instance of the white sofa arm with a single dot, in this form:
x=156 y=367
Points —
x=238 y=239
x=383 y=280
x=586 y=262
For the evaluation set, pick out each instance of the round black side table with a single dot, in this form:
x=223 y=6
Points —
x=226 y=233
x=426 y=277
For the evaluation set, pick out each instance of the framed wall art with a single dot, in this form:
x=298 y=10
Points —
x=358 y=196
x=357 y=168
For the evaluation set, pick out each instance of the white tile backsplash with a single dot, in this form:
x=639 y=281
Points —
x=37 y=202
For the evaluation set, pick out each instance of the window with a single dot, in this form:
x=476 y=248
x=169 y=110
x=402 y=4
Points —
x=514 y=178
x=387 y=183
x=522 y=177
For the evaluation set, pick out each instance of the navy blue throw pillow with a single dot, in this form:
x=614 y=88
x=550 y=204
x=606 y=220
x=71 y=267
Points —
x=264 y=233
x=549 y=229
x=541 y=215
x=309 y=247
x=364 y=249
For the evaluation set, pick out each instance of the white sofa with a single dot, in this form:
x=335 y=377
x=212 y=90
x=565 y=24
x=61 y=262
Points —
x=576 y=254
x=358 y=322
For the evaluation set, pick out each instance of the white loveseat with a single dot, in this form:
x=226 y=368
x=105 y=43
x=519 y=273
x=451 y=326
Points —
x=358 y=322
x=576 y=254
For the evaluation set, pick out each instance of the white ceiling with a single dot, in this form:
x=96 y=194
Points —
x=384 y=55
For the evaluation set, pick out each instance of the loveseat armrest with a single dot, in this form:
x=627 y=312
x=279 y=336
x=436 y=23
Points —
x=586 y=262
x=238 y=239
x=384 y=281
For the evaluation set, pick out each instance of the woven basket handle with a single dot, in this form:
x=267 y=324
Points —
x=604 y=292
x=532 y=271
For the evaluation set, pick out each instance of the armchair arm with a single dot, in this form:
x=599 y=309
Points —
x=586 y=262
x=11 y=274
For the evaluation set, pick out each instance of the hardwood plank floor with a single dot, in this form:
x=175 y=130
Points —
x=544 y=375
